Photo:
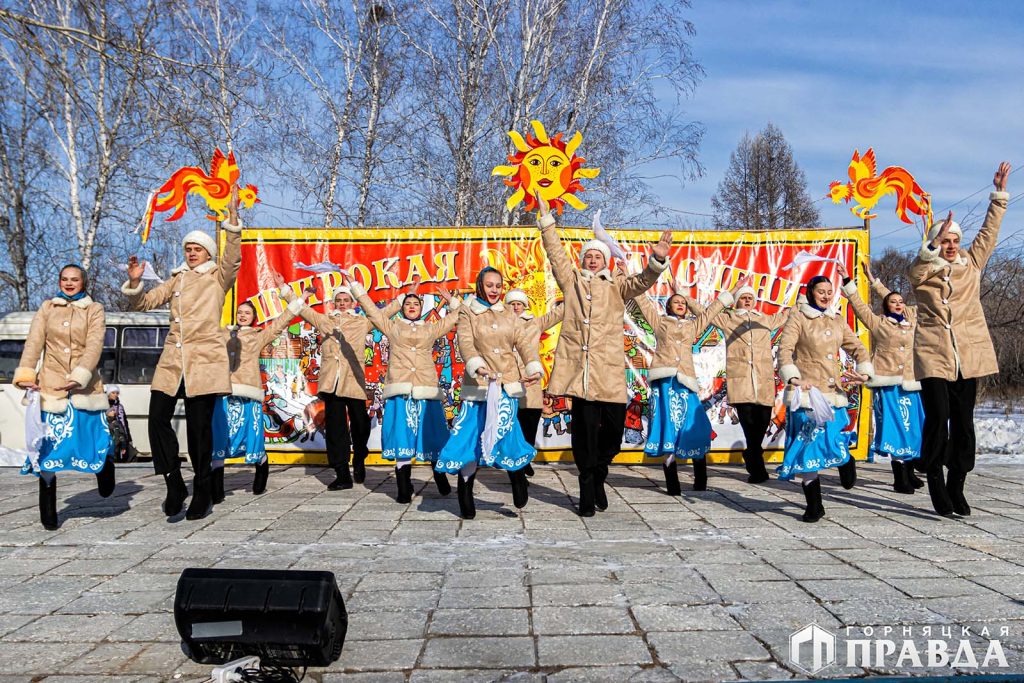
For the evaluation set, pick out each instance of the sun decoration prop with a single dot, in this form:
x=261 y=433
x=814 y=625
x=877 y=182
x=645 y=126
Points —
x=545 y=166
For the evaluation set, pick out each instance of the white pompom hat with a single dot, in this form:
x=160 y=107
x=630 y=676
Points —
x=954 y=227
x=517 y=295
x=202 y=239
x=746 y=289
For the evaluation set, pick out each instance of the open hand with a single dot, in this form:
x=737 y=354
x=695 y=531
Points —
x=662 y=246
x=742 y=281
x=944 y=229
x=443 y=292
x=233 y=205
x=543 y=208
x=531 y=379
x=1002 y=173
x=70 y=386
x=843 y=272
x=853 y=379
x=135 y=270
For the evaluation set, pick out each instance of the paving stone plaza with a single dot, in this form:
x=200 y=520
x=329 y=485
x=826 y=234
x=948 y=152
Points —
x=707 y=586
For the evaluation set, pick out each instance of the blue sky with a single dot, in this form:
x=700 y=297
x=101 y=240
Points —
x=936 y=87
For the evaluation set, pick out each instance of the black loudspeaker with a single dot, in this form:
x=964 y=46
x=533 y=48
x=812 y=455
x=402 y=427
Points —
x=286 y=618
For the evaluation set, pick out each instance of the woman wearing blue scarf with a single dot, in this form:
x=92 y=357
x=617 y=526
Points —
x=810 y=363
x=67 y=334
x=490 y=335
x=899 y=413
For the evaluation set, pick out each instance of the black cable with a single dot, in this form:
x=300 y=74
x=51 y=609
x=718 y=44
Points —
x=272 y=674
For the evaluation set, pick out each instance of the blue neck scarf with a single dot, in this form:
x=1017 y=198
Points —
x=484 y=301
x=896 y=316
x=75 y=297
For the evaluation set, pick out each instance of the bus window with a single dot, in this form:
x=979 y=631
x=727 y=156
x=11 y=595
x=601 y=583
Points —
x=140 y=350
x=10 y=356
x=108 y=359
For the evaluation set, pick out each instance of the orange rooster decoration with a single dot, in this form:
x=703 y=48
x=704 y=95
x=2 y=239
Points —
x=866 y=188
x=214 y=188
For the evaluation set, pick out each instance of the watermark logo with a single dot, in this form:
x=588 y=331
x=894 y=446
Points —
x=812 y=648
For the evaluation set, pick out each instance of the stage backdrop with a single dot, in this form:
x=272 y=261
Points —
x=387 y=261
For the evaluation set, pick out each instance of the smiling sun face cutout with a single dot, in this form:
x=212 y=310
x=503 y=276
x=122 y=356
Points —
x=545 y=166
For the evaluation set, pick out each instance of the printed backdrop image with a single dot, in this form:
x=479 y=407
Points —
x=387 y=262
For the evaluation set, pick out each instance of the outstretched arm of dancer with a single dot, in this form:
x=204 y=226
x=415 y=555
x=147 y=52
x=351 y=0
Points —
x=231 y=257
x=138 y=300
x=657 y=262
x=552 y=317
x=295 y=305
x=985 y=242
x=561 y=266
x=447 y=323
x=375 y=315
x=860 y=308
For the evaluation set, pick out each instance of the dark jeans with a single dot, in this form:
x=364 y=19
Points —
x=198 y=427
x=948 y=433
x=529 y=418
x=596 y=439
x=345 y=435
x=754 y=419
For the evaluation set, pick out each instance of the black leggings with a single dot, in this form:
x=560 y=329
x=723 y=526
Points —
x=345 y=436
x=754 y=419
x=198 y=427
x=529 y=418
x=948 y=434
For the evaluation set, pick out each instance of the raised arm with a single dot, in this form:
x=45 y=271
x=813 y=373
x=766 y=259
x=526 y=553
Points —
x=272 y=331
x=561 y=266
x=648 y=308
x=446 y=324
x=373 y=314
x=552 y=317
x=710 y=314
x=657 y=262
x=985 y=242
x=25 y=373
x=231 y=257
x=138 y=300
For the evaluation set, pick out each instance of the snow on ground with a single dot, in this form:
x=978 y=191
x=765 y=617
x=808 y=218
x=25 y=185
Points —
x=1000 y=434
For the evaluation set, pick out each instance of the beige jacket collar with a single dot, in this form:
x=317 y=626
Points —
x=812 y=312
x=477 y=308
x=201 y=268
x=603 y=274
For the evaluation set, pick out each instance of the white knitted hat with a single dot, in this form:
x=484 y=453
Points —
x=597 y=245
x=341 y=290
x=517 y=295
x=746 y=289
x=202 y=239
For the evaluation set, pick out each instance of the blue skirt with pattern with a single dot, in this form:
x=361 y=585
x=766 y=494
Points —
x=511 y=451
x=680 y=425
x=899 y=419
x=238 y=430
x=809 y=447
x=413 y=429
x=76 y=440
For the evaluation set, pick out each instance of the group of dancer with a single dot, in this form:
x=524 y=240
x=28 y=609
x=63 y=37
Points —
x=923 y=370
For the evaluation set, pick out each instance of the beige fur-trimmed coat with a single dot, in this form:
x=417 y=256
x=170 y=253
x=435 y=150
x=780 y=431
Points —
x=892 y=343
x=68 y=337
x=495 y=338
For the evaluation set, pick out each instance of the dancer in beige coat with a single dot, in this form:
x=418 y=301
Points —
x=194 y=362
x=589 y=359
x=65 y=342
x=953 y=347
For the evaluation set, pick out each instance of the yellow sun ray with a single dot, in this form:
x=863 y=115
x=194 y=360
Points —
x=540 y=133
x=519 y=142
x=587 y=173
x=504 y=170
x=574 y=201
x=574 y=142
x=516 y=197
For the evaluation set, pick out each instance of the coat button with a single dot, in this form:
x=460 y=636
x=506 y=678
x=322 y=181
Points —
x=413 y=348
x=947 y=326
x=828 y=333
x=497 y=350
x=677 y=359
x=494 y=326
x=589 y=297
x=750 y=362
x=901 y=366
x=178 y=344
x=66 y=323
x=177 y=294
x=584 y=347
x=67 y=350
x=903 y=348
x=945 y=301
x=828 y=357
x=177 y=320
x=945 y=278
x=831 y=380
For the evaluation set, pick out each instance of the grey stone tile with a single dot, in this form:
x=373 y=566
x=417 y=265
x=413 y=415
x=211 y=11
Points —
x=479 y=652
x=371 y=655
x=684 y=618
x=69 y=628
x=590 y=650
x=581 y=620
x=480 y=622
x=711 y=646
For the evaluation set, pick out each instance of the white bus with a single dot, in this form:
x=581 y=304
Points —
x=131 y=348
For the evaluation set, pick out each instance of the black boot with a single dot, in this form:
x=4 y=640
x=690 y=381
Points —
x=848 y=473
x=342 y=479
x=403 y=477
x=520 y=488
x=671 y=478
x=939 y=495
x=600 y=495
x=900 y=482
x=48 y=504
x=528 y=471
x=700 y=474
x=358 y=469
x=105 y=481
x=812 y=494
x=202 y=499
x=467 y=507
x=955 y=488
x=912 y=477
x=217 y=485
x=586 y=505
x=259 y=480
x=176 y=493
x=756 y=471
x=441 y=481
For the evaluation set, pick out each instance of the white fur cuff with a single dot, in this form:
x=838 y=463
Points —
x=88 y=402
x=928 y=254
x=656 y=265
x=80 y=375
x=295 y=305
x=789 y=372
x=357 y=289
x=474 y=364
x=534 y=368
x=128 y=290
x=866 y=368
x=231 y=227
x=850 y=287
x=727 y=299
x=998 y=195
x=546 y=221
x=247 y=391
